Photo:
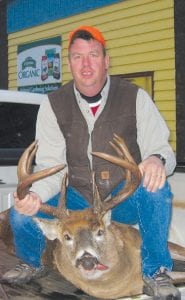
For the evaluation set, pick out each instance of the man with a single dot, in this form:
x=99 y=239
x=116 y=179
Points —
x=80 y=117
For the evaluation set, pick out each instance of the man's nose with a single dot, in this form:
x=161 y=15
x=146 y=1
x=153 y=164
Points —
x=86 y=60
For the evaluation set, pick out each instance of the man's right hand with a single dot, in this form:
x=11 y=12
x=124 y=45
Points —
x=29 y=206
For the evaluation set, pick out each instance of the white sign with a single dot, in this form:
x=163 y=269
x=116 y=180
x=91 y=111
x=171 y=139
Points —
x=38 y=64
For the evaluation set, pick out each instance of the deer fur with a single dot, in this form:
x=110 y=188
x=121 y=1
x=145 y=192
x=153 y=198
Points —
x=114 y=249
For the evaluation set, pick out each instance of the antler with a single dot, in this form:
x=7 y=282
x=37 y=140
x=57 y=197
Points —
x=125 y=160
x=25 y=178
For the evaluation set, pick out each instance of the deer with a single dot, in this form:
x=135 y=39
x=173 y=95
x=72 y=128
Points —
x=97 y=255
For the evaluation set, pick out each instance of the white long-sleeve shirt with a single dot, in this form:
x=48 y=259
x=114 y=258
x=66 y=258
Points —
x=152 y=138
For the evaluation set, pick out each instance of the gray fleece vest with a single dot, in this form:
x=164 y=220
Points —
x=118 y=116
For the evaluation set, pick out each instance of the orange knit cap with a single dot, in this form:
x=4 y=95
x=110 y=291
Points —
x=96 y=34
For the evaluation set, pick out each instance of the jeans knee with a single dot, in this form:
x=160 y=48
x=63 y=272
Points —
x=164 y=194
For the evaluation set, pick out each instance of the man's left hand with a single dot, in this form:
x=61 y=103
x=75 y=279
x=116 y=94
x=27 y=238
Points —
x=153 y=173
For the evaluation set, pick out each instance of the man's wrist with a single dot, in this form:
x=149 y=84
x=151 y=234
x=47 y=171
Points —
x=162 y=159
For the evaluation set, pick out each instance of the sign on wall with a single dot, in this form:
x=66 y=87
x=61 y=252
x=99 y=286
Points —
x=39 y=66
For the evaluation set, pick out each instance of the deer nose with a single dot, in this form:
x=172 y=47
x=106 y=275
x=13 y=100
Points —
x=87 y=261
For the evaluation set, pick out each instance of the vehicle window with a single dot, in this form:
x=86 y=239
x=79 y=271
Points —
x=17 y=130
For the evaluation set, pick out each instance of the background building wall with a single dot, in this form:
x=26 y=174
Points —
x=140 y=38
x=24 y=14
x=179 y=11
x=3 y=46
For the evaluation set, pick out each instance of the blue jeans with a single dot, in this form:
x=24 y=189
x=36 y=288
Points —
x=152 y=211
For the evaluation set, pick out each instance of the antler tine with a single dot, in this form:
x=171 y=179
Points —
x=50 y=210
x=117 y=146
x=62 y=202
x=133 y=175
x=97 y=207
x=123 y=152
x=25 y=161
x=25 y=182
x=123 y=148
x=31 y=158
x=116 y=149
x=25 y=179
x=61 y=211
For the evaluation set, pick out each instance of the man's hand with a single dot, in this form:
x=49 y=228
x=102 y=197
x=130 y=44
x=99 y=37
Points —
x=29 y=206
x=153 y=173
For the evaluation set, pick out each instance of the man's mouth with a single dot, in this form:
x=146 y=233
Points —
x=87 y=73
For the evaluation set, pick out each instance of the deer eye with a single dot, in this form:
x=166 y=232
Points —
x=100 y=232
x=67 y=237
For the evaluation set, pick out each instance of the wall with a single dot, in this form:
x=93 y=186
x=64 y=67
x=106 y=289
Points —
x=179 y=13
x=140 y=38
x=3 y=46
x=28 y=13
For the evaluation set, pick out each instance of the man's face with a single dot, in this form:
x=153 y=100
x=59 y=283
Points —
x=88 y=66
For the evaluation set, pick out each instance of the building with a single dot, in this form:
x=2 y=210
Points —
x=144 y=39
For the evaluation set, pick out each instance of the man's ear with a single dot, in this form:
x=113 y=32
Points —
x=107 y=61
x=49 y=228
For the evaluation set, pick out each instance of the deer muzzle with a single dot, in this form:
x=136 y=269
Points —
x=89 y=262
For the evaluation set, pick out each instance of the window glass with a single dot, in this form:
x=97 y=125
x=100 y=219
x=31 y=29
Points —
x=143 y=79
x=17 y=130
x=17 y=124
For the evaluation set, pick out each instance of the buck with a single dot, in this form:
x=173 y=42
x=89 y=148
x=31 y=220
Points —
x=97 y=255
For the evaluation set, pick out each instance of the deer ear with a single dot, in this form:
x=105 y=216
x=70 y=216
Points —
x=49 y=228
x=107 y=218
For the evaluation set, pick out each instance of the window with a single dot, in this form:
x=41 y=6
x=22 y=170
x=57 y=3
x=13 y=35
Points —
x=142 y=79
x=17 y=130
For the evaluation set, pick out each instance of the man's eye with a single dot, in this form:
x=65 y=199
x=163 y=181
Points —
x=76 y=56
x=93 y=54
